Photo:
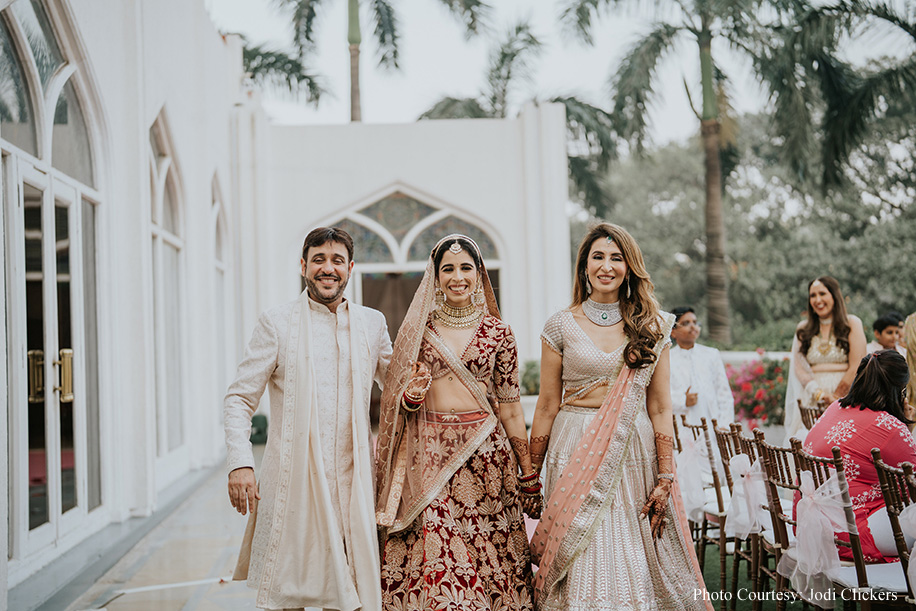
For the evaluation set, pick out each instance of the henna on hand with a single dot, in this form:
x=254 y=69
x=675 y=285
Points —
x=538 y=447
x=520 y=447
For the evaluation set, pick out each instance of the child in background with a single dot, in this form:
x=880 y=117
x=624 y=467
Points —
x=887 y=335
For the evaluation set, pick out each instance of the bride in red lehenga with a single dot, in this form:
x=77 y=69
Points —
x=454 y=473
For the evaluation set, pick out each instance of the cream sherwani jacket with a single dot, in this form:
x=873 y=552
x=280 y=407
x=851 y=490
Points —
x=312 y=540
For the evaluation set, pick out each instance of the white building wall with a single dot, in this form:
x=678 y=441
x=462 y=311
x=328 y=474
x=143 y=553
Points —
x=139 y=60
x=508 y=176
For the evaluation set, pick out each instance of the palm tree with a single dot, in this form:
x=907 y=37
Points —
x=305 y=12
x=592 y=141
x=697 y=22
x=805 y=60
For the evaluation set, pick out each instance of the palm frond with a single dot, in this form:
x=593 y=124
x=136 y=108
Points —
x=269 y=68
x=887 y=12
x=586 y=186
x=303 y=17
x=590 y=131
x=632 y=83
x=854 y=101
x=386 y=33
x=509 y=63
x=577 y=16
x=474 y=13
x=457 y=108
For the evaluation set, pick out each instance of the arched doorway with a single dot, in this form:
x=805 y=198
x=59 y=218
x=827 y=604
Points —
x=392 y=238
x=51 y=205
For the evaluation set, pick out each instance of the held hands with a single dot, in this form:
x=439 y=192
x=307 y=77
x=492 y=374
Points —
x=243 y=490
x=656 y=505
x=532 y=501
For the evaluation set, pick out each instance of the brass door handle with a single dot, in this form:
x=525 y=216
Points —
x=66 y=375
x=36 y=376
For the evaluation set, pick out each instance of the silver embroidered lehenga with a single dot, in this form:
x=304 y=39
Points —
x=605 y=556
x=452 y=530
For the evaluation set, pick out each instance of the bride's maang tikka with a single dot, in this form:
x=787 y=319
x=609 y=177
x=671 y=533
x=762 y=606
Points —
x=455 y=248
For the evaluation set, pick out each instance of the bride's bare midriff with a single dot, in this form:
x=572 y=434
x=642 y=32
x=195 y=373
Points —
x=451 y=396
x=594 y=398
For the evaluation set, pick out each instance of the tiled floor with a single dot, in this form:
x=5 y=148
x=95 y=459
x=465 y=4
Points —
x=183 y=564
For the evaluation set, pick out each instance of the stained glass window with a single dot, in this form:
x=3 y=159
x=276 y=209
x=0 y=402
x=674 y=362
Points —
x=368 y=246
x=397 y=213
x=424 y=243
x=17 y=118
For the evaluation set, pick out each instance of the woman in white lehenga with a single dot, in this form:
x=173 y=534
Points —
x=826 y=351
x=613 y=534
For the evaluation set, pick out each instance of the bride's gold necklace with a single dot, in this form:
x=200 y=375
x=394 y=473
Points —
x=458 y=318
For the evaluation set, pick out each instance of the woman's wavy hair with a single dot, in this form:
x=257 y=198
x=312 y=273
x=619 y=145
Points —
x=880 y=382
x=640 y=310
x=840 y=318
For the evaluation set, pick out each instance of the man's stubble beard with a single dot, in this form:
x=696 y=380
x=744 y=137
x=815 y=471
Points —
x=315 y=293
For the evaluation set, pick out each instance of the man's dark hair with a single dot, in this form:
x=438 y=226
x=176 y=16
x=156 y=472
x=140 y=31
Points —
x=680 y=311
x=897 y=317
x=323 y=235
x=879 y=384
x=883 y=322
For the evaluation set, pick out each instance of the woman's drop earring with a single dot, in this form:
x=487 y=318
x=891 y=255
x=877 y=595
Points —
x=629 y=281
x=440 y=297
x=477 y=297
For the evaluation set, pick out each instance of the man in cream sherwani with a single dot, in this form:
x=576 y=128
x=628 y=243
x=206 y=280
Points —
x=311 y=538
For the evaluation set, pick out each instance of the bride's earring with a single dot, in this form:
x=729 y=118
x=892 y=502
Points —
x=477 y=297
x=629 y=282
x=440 y=297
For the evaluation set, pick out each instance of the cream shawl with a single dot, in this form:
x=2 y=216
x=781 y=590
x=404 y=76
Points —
x=305 y=563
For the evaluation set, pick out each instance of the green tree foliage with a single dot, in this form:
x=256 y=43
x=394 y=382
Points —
x=592 y=142
x=780 y=233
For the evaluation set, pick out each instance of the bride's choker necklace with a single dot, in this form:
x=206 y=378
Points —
x=827 y=321
x=458 y=318
x=602 y=314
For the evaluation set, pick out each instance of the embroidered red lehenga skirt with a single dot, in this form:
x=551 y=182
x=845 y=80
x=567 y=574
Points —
x=468 y=549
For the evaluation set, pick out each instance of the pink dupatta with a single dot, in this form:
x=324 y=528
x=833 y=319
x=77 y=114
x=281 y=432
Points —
x=575 y=508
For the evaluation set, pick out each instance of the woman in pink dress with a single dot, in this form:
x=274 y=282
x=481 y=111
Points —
x=874 y=414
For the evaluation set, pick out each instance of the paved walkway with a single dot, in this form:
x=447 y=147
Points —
x=183 y=564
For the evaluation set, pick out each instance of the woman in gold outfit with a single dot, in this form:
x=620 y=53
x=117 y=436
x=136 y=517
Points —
x=613 y=534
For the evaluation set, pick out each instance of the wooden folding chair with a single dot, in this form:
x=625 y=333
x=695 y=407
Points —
x=715 y=510
x=729 y=446
x=898 y=487
x=852 y=582
x=677 y=435
x=781 y=467
x=809 y=415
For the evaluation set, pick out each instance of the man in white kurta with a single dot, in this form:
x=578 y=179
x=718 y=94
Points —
x=699 y=384
x=311 y=538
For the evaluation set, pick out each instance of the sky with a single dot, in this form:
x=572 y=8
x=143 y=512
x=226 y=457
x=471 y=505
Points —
x=437 y=60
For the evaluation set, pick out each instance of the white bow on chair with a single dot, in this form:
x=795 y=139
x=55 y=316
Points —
x=820 y=514
x=690 y=463
x=746 y=514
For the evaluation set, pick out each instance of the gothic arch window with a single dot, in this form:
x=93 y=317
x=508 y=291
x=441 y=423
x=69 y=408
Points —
x=393 y=237
x=51 y=242
x=167 y=250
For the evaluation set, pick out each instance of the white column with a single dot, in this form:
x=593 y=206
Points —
x=547 y=261
x=4 y=415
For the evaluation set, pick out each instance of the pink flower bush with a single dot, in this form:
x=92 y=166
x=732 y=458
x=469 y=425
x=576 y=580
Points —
x=759 y=388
